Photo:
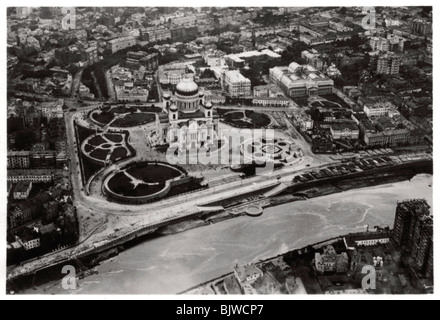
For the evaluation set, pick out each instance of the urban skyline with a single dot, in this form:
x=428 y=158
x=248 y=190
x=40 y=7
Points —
x=125 y=125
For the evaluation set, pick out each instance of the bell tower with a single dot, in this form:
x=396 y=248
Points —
x=174 y=112
x=208 y=110
x=166 y=101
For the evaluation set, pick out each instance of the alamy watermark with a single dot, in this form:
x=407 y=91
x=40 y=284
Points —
x=369 y=21
x=229 y=147
x=369 y=281
x=69 y=282
x=69 y=20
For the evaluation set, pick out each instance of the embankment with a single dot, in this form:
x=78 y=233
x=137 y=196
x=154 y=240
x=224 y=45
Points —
x=294 y=193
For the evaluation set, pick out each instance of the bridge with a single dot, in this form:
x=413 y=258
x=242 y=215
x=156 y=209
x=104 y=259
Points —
x=276 y=191
x=210 y=209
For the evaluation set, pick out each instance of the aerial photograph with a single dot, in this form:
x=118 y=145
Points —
x=219 y=151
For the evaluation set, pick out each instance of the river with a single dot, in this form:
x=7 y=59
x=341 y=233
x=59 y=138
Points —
x=174 y=263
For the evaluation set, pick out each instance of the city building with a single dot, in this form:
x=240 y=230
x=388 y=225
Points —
x=18 y=160
x=22 y=190
x=380 y=44
x=339 y=25
x=397 y=43
x=239 y=60
x=173 y=73
x=331 y=262
x=388 y=64
x=155 y=34
x=247 y=275
x=189 y=121
x=332 y=71
x=30 y=242
x=41 y=157
x=119 y=44
x=180 y=33
x=305 y=121
x=268 y=91
x=368 y=239
x=51 y=110
x=272 y=102
x=236 y=84
x=215 y=99
x=31 y=175
x=313 y=58
x=421 y=26
x=413 y=231
x=23 y=12
x=352 y=91
x=9 y=187
x=347 y=130
x=387 y=138
x=50 y=211
x=91 y=55
x=185 y=20
x=28 y=210
x=407 y=214
x=214 y=58
x=301 y=81
x=150 y=61
x=129 y=92
x=377 y=107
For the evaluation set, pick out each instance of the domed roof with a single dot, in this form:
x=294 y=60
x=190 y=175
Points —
x=208 y=105
x=294 y=66
x=174 y=108
x=166 y=95
x=187 y=87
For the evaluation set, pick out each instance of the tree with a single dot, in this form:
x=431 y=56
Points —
x=366 y=61
x=25 y=139
x=46 y=13
x=343 y=11
x=340 y=82
x=207 y=73
x=293 y=52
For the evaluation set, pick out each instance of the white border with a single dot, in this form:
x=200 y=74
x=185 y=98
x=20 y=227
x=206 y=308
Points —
x=198 y=3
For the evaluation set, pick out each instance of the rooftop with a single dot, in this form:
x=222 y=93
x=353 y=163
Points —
x=22 y=186
x=187 y=86
x=236 y=76
x=245 y=272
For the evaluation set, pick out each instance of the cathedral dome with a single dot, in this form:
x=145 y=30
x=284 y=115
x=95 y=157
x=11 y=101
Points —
x=174 y=108
x=187 y=87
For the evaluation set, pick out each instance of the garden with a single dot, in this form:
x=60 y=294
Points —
x=101 y=148
x=247 y=119
x=134 y=119
x=123 y=116
x=142 y=179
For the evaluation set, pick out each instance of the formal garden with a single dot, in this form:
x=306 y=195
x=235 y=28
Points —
x=124 y=116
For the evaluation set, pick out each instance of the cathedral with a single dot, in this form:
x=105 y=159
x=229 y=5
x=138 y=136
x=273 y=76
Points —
x=187 y=121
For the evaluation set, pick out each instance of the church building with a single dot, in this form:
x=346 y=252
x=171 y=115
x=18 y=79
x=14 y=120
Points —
x=187 y=121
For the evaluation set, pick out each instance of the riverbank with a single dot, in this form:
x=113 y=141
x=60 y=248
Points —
x=298 y=195
x=237 y=211
x=174 y=263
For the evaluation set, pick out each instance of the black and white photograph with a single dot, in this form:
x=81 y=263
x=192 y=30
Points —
x=218 y=151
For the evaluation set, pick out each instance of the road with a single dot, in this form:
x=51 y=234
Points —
x=180 y=205
x=131 y=218
x=76 y=83
x=118 y=219
x=110 y=87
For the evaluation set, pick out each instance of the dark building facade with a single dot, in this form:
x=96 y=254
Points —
x=413 y=231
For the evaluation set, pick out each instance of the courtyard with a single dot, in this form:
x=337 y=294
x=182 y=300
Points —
x=247 y=119
x=123 y=116
x=104 y=148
